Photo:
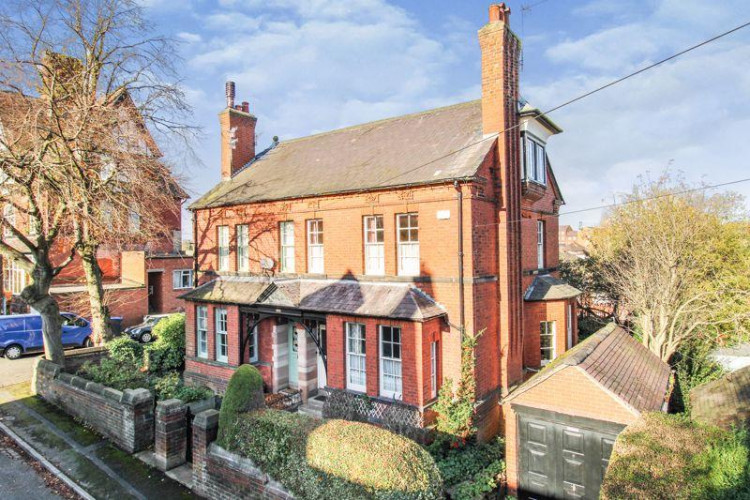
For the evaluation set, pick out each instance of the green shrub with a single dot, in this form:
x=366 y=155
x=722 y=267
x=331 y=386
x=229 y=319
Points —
x=116 y=374
x=668 y=456
x=168 y=351
x=171 y=331
x=244 y=393
x=126 y=350
x=171 y=386
x=334 y=458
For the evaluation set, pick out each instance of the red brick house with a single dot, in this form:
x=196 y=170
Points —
x=350 y=262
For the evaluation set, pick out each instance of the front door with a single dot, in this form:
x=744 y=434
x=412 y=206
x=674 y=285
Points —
x=293 y=356
x=322 y=375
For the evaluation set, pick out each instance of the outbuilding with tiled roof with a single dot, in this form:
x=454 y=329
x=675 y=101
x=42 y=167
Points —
x=561 y=423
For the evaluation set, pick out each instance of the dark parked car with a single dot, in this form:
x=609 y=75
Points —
x=143 y=332
x=22 y=333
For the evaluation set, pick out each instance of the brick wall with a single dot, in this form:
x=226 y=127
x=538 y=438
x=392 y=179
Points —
x=125 y=417
x=77 y=358
x=218 y=473
x=569 y=391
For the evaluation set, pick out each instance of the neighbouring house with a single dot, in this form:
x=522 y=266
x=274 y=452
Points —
x=350 y=262
x=724 y=402
x=139 y=278
x=561 y=424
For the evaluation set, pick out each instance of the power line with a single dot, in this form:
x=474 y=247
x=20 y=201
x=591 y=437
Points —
x=576 y=99
x=665 y=195
x=629 y=202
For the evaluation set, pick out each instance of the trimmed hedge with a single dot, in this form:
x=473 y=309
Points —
x=668 y=456
x=244 y=393
x=334 y=458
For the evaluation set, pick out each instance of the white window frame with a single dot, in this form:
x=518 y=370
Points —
x=374 y=240
x=408 y=248
x=388 y=363
x=222 y=335
x=243 y=247
x=15 y=278
x=535 y=160
x=253 y=357
x=357 y=356
x=433 y=369
x=9 y=219
x=569 y=323
x=182 y=279
x=222 y=246
x=201 y=331
x=548 y=329
x=286 y=239
x=540 y=244
x=315 y=249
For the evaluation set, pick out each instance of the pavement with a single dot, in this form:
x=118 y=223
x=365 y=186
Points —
x=19 y=480
x=16 y=371
x=93 y=463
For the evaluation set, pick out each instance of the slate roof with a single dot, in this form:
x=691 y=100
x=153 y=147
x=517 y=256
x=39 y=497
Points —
x=724 y=402
x=414 y=149
x=548 y=287
x=618 y=363
x=386 y=300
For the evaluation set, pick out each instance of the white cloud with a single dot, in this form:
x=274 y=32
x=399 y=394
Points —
x=189 y=37
x=318 y=65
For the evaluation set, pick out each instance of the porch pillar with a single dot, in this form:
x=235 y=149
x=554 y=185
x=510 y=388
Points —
x=308 y=363
x=280 y=373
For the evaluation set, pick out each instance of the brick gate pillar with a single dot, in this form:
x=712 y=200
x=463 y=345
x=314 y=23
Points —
x=205 y=430
x=170 y=433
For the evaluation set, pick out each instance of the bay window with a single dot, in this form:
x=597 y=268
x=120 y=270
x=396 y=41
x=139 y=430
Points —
x=356 y=366
x=374 y=245
x=390 y=362
x=534 y=160
x=222 y=350
x=547 y=341
x=407 y=232
x=201 y=331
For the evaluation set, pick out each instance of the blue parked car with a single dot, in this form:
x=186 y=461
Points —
x=22 y=333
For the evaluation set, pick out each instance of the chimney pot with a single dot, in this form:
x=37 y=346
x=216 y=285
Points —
x=245 y=106
x=230 y=93
x=499 y=12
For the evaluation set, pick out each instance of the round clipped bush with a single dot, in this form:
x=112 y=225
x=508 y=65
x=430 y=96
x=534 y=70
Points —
x=384 y=463
x=244 y=393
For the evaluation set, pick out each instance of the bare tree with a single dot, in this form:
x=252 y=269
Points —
x=680 y=260
x=34 y=195
x=109 y=83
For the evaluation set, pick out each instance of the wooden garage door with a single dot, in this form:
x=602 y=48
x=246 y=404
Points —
x=561 y=456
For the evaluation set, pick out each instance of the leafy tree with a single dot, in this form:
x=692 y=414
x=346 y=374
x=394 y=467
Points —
x=679 y=258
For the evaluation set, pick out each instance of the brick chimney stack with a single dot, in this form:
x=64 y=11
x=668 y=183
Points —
x=501 y=51
x=237 y=134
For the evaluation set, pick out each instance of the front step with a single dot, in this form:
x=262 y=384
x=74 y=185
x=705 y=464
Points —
x=313 y=407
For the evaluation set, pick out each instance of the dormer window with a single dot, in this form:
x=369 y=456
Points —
x=534 y=160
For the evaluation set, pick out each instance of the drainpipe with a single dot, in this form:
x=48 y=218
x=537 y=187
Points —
x=462 y=313
x=195 y=248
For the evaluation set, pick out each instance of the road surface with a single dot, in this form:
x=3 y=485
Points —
x=17 y=371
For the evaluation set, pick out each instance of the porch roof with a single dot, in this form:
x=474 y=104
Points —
x=348 y=297
x=548 y=287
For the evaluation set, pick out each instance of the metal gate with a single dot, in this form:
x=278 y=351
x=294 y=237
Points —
x=562 y=456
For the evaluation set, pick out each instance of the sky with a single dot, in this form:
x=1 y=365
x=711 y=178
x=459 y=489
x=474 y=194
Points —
x=316 y=65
